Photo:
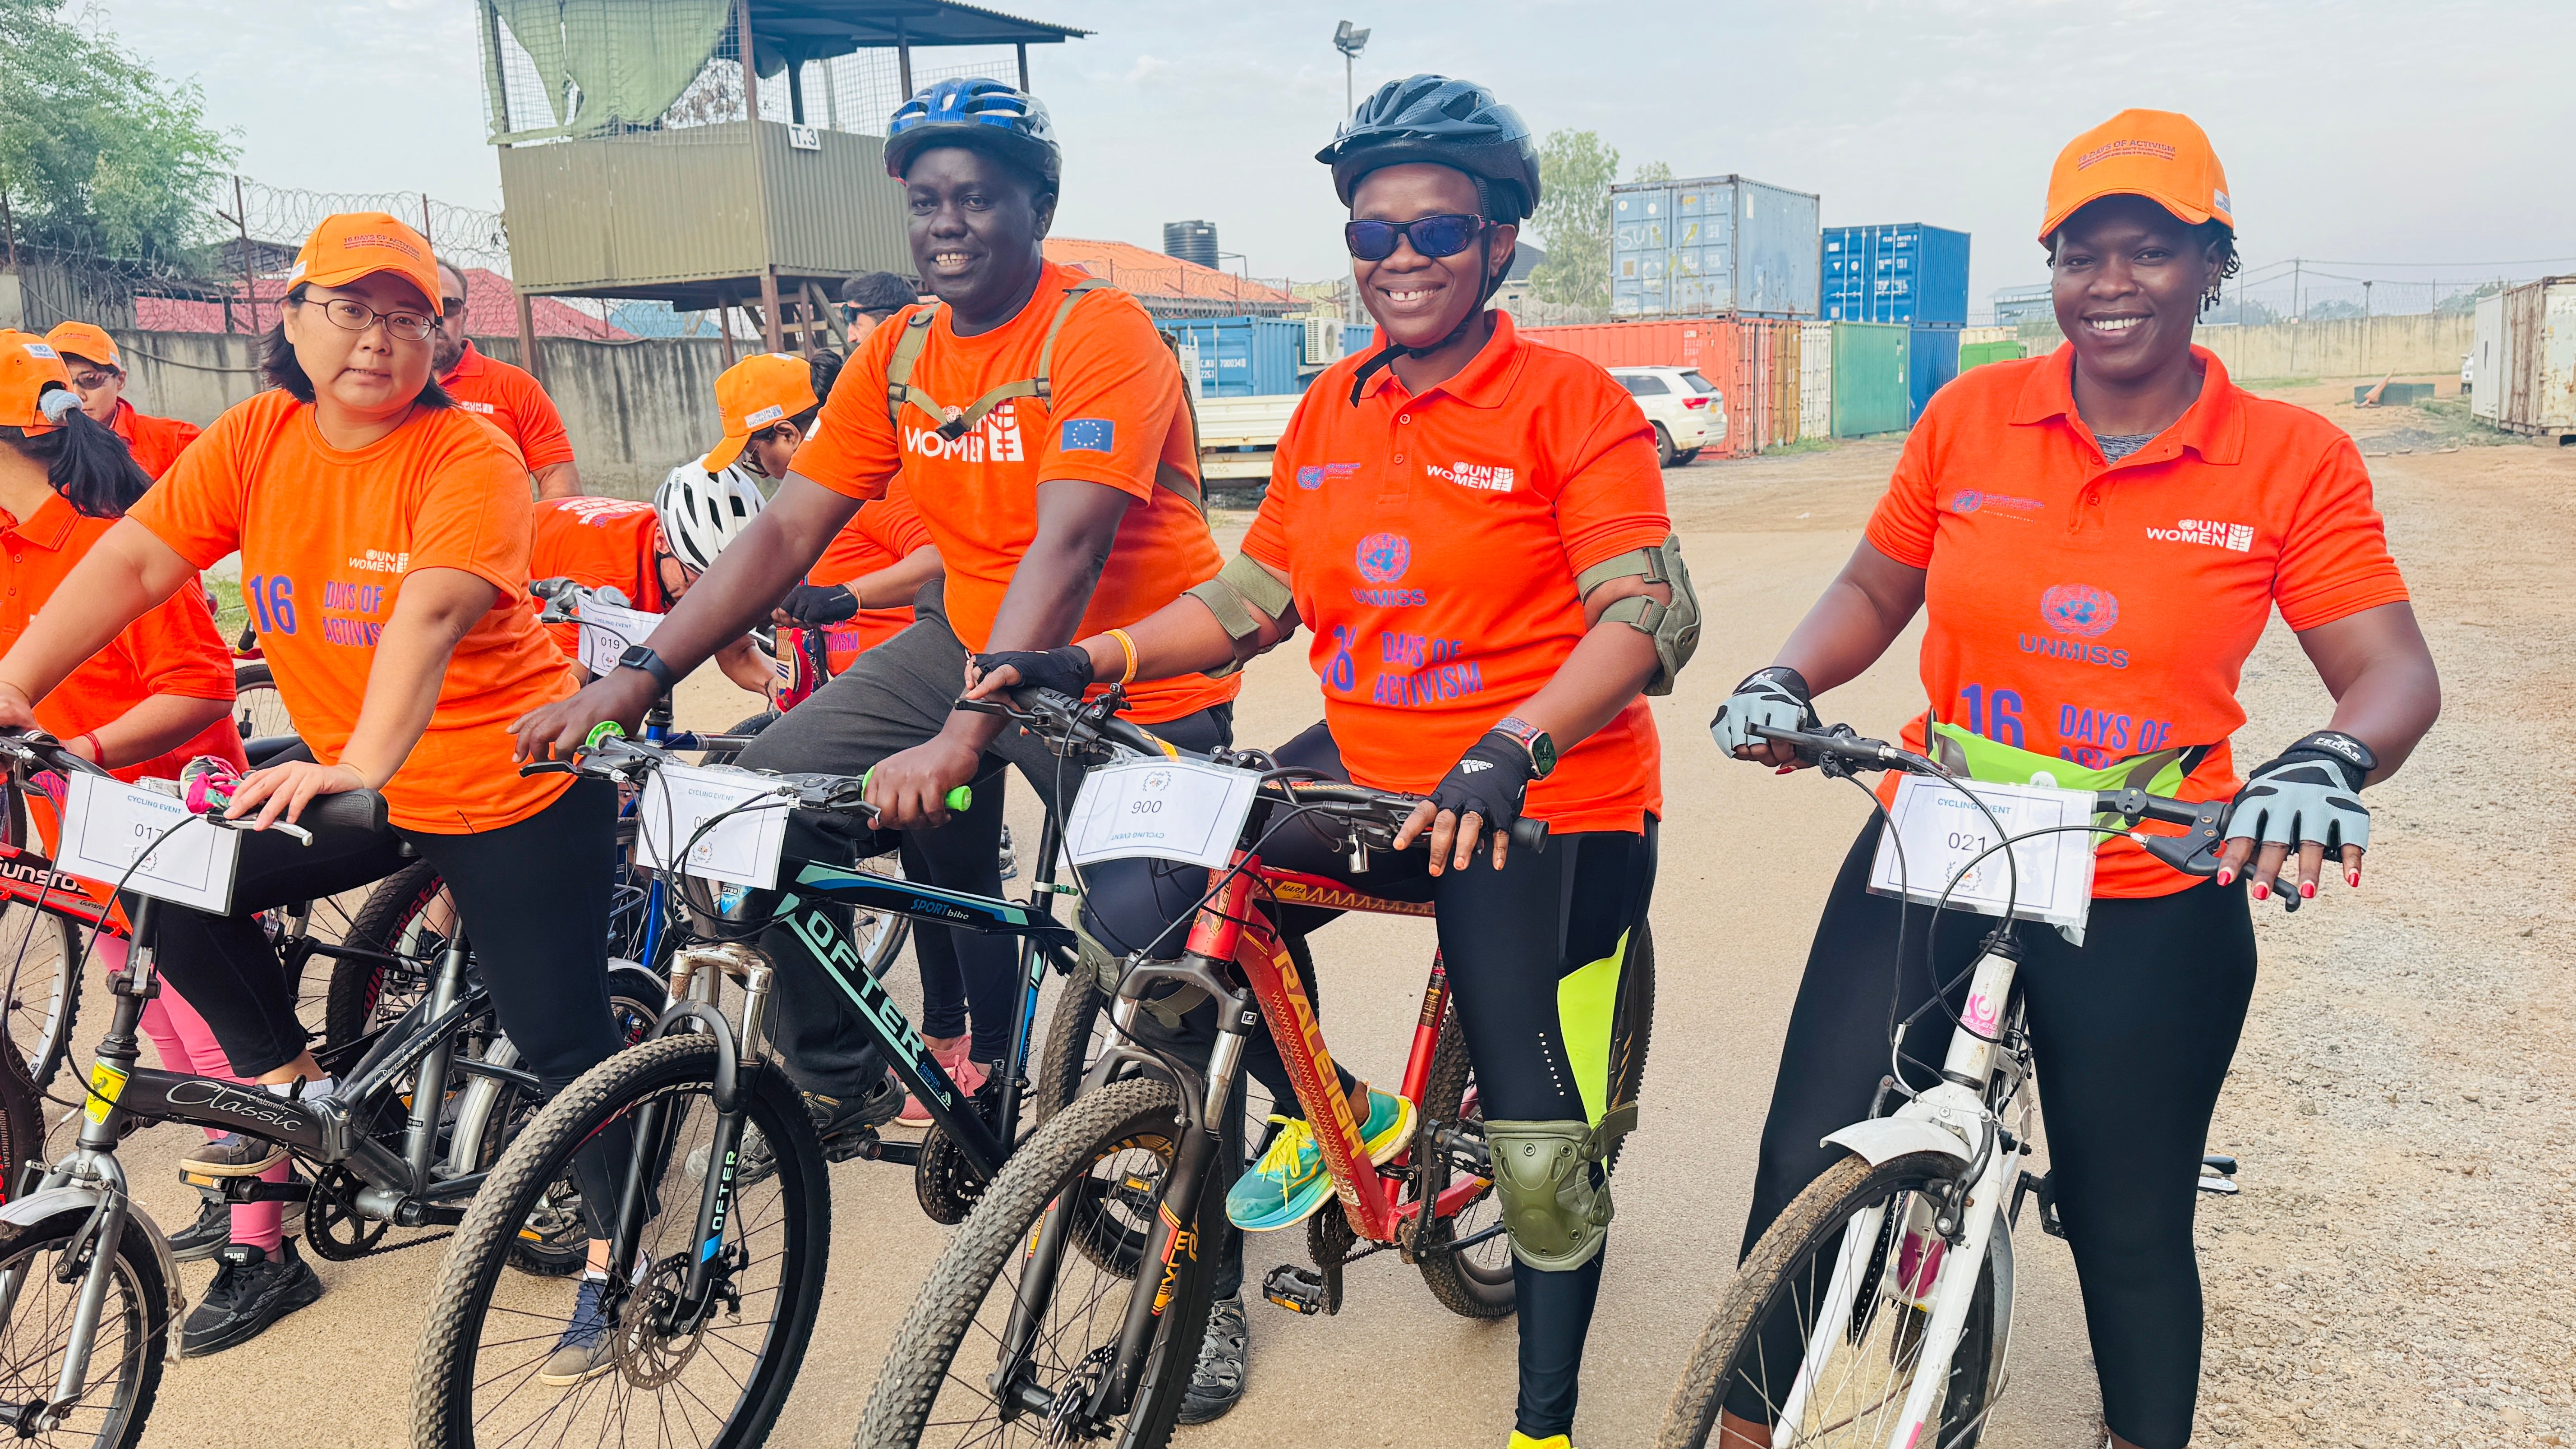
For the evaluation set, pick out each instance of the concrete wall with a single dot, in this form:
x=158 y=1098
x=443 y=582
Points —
x=634 y=409
x=2348 y=347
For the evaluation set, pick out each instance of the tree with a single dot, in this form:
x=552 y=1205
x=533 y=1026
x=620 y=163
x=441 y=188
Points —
x=1573 y=219
x=1653 y=171
x=97 y=153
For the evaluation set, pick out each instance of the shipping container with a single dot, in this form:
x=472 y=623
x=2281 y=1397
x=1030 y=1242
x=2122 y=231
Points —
x=1872 y=382
x=2539 y=362
x=1932 y=359
x=1360 y=337
x=1709 y=245
x=2486 y=359
x=1978 y=354
x=1244 y=356
x=1901 y=272
x=1816 y=379
x=1751 y=361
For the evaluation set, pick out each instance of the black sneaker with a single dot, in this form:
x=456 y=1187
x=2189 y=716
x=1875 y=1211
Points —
x=251 y=1291
x=205 y=1237
x=845 y=1127
x=235 y=1154
x=586 y=1348
x=1224 y=1362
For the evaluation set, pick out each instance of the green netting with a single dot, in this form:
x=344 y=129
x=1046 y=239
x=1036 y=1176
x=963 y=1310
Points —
x=603 y=63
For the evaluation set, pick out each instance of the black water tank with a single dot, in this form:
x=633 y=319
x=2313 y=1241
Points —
x=1191 y=241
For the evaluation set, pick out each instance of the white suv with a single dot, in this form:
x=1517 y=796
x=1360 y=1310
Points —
x=1687 y=412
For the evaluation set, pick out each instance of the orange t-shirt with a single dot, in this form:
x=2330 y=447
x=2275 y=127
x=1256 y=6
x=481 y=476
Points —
x=882 y=535
x=599 y=543
x=2094 y=611
x=327 y=538
x=511 y=400
x=1117 y=411
x=1432 y=543
x=156 y=443
x=172 y=649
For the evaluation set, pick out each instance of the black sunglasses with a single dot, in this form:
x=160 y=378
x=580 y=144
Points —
x=1432 y=236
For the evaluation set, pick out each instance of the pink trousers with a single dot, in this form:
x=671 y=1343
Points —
x=186 y=1044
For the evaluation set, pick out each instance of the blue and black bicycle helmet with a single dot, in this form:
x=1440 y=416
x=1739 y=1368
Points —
x=1453 y=123
x=985 y=114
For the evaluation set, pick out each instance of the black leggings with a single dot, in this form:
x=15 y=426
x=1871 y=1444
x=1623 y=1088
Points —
x=2132 y=1033
x=534 y=896
x=1508 y=937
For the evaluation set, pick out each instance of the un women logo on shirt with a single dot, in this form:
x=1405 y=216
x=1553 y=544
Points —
x=1383 y=557
x=2079 y=609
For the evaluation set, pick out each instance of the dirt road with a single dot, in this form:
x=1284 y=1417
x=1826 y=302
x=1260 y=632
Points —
x=2397 y=1271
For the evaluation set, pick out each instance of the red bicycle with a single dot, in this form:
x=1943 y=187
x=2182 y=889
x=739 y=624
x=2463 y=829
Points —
x=1081 y=1266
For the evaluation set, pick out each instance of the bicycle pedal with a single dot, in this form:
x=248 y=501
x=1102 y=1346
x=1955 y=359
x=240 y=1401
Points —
x=1299 y=1289
x=2217 y=1186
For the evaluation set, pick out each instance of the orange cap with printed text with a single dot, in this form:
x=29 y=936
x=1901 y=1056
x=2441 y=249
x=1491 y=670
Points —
x=354 y=244
x=85 y=339
x=29 y=368
x=2163 y=156
x=762 y=389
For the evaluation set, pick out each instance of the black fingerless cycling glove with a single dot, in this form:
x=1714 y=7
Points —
x=818 y=605
x=1490 y=780
x=1066 y=670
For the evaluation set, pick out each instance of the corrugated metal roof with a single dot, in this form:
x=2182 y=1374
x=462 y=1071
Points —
x=819 y=29
x=1151 y=275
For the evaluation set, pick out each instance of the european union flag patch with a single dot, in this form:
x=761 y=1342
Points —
x=1088 y=435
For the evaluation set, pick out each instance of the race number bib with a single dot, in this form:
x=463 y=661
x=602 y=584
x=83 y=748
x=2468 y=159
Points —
x=608 y=630
x=1181 y=810
x=111 y=828
x=1948 y=846
x=743 y=848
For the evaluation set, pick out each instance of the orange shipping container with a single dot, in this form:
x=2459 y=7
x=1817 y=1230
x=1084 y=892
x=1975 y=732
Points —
x=1746 y=359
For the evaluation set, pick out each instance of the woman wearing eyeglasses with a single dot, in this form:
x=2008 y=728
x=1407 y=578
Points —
x=1474 y=528
x=384 y=555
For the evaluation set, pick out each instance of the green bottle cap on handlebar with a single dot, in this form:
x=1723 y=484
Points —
x=607 y=729
x=961 y=798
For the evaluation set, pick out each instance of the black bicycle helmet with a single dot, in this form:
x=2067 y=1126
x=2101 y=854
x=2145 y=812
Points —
x=988 y=115
x=1454 y=123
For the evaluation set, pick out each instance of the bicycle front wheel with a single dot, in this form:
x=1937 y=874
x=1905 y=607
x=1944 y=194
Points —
x=126 y=1351
x=38 y=954
x=1840 y=1259
x=716 y=1379
x=1104 y=1160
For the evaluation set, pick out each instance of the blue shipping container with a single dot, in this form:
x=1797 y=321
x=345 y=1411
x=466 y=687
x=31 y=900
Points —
x=1358 y=338
x=1711 y=244
x=1933 y=361
x=1905 y=272
x=1244 y=356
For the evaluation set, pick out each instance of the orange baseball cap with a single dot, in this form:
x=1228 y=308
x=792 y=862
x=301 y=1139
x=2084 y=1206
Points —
x=764 y=388
x=2163 y=156
x=356 y=244
x=85 y=339
x=29 y=368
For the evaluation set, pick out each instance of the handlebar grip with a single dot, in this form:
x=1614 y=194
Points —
x=1530 y=835
x=607 y=729
x=960 y=799
x=348 y=810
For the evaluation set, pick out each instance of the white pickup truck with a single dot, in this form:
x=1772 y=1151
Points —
x=1237 y=435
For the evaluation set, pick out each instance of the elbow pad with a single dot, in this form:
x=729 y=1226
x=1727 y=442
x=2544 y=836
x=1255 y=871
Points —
x=1243 y=596
x=1674 y=626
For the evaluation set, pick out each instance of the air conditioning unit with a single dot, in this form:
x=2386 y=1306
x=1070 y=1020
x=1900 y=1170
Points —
x=1323 y=341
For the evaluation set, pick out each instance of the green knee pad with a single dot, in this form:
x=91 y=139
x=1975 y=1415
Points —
x=1556 y=1216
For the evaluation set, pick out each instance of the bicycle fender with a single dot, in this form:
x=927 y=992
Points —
x=1884 y=1139
x=82 y=1199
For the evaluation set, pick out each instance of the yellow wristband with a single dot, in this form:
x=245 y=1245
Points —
x=1130 y=646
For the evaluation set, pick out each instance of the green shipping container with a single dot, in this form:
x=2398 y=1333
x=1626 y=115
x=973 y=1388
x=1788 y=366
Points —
x=1975 y=354
x=1871 y=382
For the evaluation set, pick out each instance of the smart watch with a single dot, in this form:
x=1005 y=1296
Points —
x=1540 y=744
x=641 y=656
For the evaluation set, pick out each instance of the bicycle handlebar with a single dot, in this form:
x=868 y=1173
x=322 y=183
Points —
x=609 y=754
x=2194 y=853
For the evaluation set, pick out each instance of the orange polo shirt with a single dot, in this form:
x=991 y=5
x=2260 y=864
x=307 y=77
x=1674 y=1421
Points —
x=599 y=543
x=511 y=400
x=1432 y=542
x=171 y=649
x=327 y=538
x=1117 y=411
x=2096 y=611
x=156 y=443
x=882 y=535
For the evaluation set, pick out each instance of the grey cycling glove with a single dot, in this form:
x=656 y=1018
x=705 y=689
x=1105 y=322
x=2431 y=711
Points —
x=2311 y=791
x=1777 y=697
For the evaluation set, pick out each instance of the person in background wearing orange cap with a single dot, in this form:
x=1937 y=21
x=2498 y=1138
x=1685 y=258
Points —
x=509 y=398
x=98 y=375
x=383 y=537
x=2096 y=539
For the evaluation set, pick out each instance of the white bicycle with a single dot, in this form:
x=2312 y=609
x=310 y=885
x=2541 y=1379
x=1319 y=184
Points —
x=1877 y=1310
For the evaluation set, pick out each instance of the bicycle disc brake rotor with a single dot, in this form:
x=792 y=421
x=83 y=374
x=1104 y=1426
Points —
x=332 y=1224
x=649 y=1353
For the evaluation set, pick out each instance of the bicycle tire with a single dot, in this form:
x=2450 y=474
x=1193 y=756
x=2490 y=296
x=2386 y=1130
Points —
x=1081 y=1019
x=259 y=711
x=1810 y=1229
x=382 y=924
x=40 y=1029
x=636 y=997
x=1483 y=1286
x=142 y=1320
x=22 y=1121
x=447 y=1366
x=1123 y=1116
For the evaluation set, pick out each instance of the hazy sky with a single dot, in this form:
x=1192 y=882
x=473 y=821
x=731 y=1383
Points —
x=2360 y=132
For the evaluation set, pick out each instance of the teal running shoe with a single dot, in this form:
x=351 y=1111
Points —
x=1290 y=1183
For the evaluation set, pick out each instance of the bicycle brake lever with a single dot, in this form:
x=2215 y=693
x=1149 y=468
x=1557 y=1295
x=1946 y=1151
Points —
x=549 y=767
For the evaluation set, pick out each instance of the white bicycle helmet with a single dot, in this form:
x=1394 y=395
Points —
x=701 y=512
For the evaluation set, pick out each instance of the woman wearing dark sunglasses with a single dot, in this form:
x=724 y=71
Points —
x=1473 y=526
